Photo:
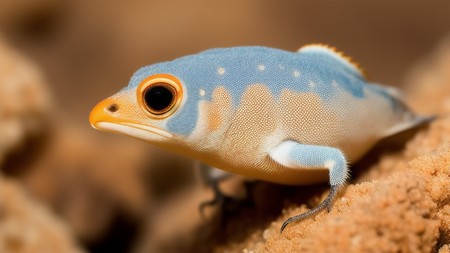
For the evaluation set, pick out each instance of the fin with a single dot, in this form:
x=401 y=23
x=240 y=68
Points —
x=332 y=51
x=415 y=122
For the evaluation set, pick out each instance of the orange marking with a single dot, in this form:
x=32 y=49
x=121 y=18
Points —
x=215 y=120
x=221 y=102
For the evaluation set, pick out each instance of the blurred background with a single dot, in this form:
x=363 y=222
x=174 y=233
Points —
x=68 y=188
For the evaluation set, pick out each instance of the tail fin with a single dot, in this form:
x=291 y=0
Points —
x=417 y=121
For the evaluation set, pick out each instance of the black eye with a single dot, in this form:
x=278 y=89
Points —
x=159 y=98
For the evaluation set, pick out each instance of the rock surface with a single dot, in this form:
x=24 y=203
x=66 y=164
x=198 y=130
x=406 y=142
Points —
x=24 y=99
x=28 y=227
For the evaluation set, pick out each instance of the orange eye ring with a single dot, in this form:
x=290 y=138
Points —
x=160 y=95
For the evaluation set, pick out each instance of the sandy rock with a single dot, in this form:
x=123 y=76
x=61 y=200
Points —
x=28 y=227
x=24 y=99
x=445 y=249
x=87 y=179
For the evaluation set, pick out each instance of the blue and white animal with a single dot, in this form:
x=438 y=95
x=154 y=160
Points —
x=290 y=118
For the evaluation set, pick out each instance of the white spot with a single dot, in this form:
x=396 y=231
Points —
x=312 y=84
x=296 y=73
x=201 y=92
x=334 y=83
x=221 y=71
x=261 y=67
x=280 y=66
x=329 y=164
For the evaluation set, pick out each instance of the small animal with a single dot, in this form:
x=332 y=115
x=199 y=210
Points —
x=293 y=118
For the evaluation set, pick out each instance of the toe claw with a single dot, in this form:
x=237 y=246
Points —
x=327 y=203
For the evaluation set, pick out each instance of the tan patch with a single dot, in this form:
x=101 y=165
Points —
x=213 y=119
x=306 y=118
x=219 y=109
x=261 y=122
x=253 y=121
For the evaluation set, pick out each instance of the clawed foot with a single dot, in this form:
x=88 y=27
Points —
x=218 y=199
x=226 y=203
x=327 y=203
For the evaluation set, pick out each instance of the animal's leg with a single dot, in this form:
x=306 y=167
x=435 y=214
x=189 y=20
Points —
x=213 y=177
x=295 y=155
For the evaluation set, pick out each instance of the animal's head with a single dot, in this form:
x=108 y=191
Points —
x=142 y=111
x=163 y=102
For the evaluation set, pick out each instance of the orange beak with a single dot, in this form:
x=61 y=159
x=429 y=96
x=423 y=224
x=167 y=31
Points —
x=109 y=116
x=104 y=112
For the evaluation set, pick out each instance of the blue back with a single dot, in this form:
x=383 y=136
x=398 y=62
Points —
x=236 y=68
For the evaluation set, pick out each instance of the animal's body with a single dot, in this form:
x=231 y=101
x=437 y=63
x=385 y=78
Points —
x=286 y=117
